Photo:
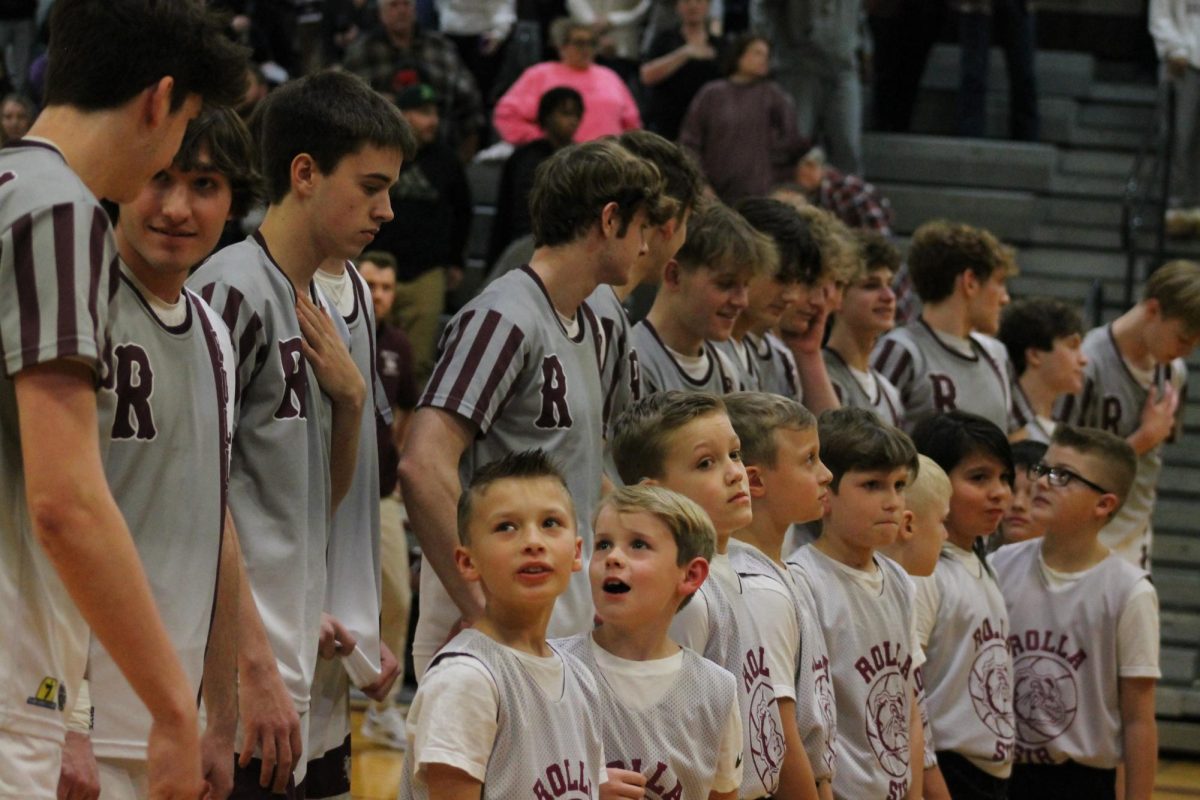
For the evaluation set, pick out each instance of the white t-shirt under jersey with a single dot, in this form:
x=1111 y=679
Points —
x=780 y=634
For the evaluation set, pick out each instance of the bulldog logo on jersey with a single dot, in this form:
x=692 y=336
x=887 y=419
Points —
x=767 y=744
x=991 y=689
x=1045 y=693
x=823 y=691
x=887 y=722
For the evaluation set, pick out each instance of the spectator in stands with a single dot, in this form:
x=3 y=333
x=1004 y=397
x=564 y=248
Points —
x=1043 y=337
x=1175 y=26
x=399 y=54
x=428 y=235
x=678 y=62
x=816 y=49
x=1011 y=24
x=608 y=107
x=559 y=113
x=848 y=197
x=618 y=24
x=17 y=35
x=743 y=128
x=480 y=30
x=16 y=117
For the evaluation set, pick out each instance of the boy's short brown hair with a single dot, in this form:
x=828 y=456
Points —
x=643 y=430
x=1114 y=457
x=798 y=250
x=380 y=258
x=681 y=177
x=572 y=187
x=757 y=415
x=855 y=440
x=1176 y=287
x=721 y=239
x=876 y=252
x=942 y=250
x=689 y=525
x=525 y=465
x=231 y=152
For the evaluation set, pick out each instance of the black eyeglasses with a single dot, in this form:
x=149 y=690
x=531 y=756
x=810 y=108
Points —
x=1061 y=476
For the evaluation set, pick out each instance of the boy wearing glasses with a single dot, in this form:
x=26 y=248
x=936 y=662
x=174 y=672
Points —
x=1083 y=628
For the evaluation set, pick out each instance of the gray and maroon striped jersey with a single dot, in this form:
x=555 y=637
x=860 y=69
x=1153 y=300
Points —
x=1113 y=398
x=57 y=280
x=166 y=407
x=776 y=366
x=885 y=401
x=507 y=365
x=279 y=475
x=661 y=371
x=745 y=365
x=621 y=376
x=933 y=377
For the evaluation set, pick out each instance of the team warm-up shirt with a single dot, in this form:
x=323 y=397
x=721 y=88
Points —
x=679 y=741
x=279 y=476
x=719 y=624
x=776 y=367
x=804 y=675
x=1113 y=398
x=1073 y=637
x=57 y=281
x=868 y=624
x=621 y=374
x=962 y=625
x=1036 y=428
x=166 y=405
x=353 y=569
x=745 y=365
x=934 y=377
x=508 y=365
x=878 y=395
x=545 y=740
x=662 y=371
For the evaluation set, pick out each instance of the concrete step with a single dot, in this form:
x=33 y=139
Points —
x=1116 y=115
x=1178 y=478
x=1177 y=587
x=1178 y=664
x=1071 y=289
x=1179 y=736
x=1075 y=211
x=1084 y=264
x=1106 y=187
x=1060 y=235
x=1138 y=94
x=1008 y=214
x=1177 y=702
x=1095 y=162
x=1175 y=514
x=1058 y=73
x=1179 y=627
x=950 y=161
x=1102 y=138
x=936 y=112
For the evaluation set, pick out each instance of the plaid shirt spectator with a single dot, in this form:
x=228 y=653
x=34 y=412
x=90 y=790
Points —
x=432 y=59
x=853 y=201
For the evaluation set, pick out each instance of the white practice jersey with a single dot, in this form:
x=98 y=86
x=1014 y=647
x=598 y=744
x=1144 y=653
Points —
x=967 y=671
x=884 y=398
x=873 y=664
x=508 y=366
x=676 y=742
x=279 y=478
x=57 y=284
x=1064 y=646
x=745 y=366
x=661 y=371
x=545 y=748
x=933 y=377
x=166 y=406
x=1113 y=398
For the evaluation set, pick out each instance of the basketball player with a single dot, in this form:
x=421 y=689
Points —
x=683 y=441
x=500 y=707
x=125 y=79
x=519 y=365
x=669 y=717
x=864 y=604
x=703 y=291
x=868 y=311
x=1134 y=385
x=330 y=149
x=946 y=358
x=1044 y=338
x=1084 y=638
x=962 y=624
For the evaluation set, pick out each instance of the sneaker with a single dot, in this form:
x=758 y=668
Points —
x=385 y=727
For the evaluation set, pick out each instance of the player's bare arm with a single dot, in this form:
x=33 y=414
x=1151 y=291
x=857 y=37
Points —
x=269 y=717
x=79 y=777
x=340 y=379
x=450 y=783
x=220 y=672
x=916 y=748
x=1140 y=734
x=796 y=778
x=79 y=527
x=623 y=784
x=430 y=483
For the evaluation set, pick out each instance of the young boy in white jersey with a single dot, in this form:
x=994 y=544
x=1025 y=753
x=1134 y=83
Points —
x=787 y=486
x=703 y=291
x=962 y=624
x=123 y=81
x=1133 y=387
x=946 y=358
x=1084 y=632
x=499 y=707
x=868 y=311
x=1019 y=523
x=864 y=605
x=1044 y=337
x=669 y=716
x=926 y=507
x=684 y=441
x=330 y=148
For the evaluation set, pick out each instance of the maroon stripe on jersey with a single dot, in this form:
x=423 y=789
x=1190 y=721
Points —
x=473 y=360
x=499 y=368
x=884 y=355
x=450 y=347
x=27 y=297
x=246 y=341
x=63 y=219
x=96 y=242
